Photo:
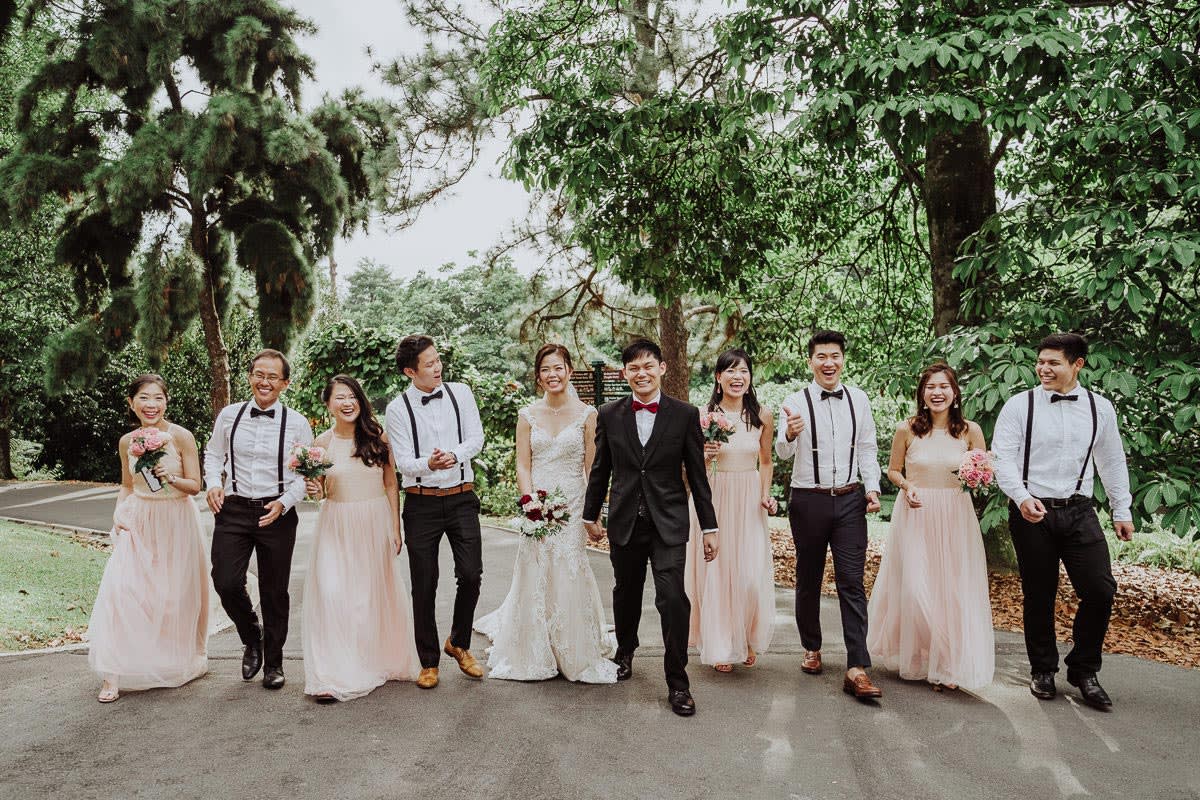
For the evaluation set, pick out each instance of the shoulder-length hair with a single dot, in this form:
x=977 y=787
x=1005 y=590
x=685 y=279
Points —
x=922 y=422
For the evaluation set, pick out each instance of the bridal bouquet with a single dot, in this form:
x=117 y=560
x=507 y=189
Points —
x=716 y=428
x=149 y=446
x=977 y=473
x=543 y=513
x=309 y=461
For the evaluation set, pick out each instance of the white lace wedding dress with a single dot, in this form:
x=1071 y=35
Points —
x=552 y=620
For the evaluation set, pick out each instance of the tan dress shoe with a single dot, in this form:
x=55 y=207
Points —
x=466 y=662
x=861 y=687
x=428 y=678
x=812 y=662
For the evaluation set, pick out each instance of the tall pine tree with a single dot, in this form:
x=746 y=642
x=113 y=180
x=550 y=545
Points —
x=172 y=130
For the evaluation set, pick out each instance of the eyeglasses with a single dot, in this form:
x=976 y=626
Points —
x=262 y=376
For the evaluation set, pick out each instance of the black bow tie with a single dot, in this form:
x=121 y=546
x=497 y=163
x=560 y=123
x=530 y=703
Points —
x=1054 y=398
x=826 y=394
x=258 y=412
x=435 y=396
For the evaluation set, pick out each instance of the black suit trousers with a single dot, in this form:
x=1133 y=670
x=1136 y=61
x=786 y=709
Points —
x=235 y=536
x=820 y=522
x=1073 y=536
x=674 y=609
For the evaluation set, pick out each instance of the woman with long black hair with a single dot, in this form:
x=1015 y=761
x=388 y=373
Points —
x=358 y=627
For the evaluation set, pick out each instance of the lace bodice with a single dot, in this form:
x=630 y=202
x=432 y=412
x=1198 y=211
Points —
x=931 y=460
x=740 y=453
x=557 y=463
x=174 y=466
x=349 y=480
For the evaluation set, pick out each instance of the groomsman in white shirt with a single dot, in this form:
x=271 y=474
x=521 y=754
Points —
x=435 y=430
x=253 y=498
x=1050 y=443
x=828 y=431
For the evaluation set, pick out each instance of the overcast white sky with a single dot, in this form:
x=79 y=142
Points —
x=483 y=204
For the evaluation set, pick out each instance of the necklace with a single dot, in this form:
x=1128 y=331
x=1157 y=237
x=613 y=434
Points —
x=553 y=410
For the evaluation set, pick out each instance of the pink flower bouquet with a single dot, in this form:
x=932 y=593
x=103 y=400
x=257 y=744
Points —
x=716 y=427
x=977 y=473
x=543 y=513
x=309 y=461
x=148 y=445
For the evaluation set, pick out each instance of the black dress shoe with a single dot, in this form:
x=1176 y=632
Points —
x=624 y=662
x=682 y=702
x=1090 y=690
x=1041 y=686
x=251 y=661
x=273 y=678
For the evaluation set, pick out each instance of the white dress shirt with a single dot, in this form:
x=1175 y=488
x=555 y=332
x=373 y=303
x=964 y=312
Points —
x=256 y=453
x=1061 y=434
x=436 y=428
x=833 y=427
x=645 y=420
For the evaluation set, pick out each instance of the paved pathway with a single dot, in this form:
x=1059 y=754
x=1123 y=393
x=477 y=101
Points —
x=769 y=732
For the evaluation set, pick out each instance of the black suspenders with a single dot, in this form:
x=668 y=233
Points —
x=412 y=420
x=282 y=444
x=812 y=415
x=1091 y=445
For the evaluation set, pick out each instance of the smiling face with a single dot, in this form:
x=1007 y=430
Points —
x=267 y=381
x=644 y=375
x=343 y=404
x=735 y=380
x=428 y=374
x=1056 y=373
x=149 y=404
x=827 y=362
x=554 y=376
x=938 y=393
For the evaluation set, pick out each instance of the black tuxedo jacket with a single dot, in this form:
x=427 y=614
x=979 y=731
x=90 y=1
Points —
x=655 y=472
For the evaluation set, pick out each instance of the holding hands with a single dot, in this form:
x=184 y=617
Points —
x=595 y=531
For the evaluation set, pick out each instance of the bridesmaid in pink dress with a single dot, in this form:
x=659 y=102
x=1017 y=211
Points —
x=149 y=626
x=733 y=596
x=931 y=618
x=357 y=619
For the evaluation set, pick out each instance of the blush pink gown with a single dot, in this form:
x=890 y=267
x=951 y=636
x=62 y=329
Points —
x=149 y=626
x=733 y=596
x=357 y=618
x=930 y=615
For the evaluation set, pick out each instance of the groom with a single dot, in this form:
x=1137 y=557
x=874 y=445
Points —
x=643 y=445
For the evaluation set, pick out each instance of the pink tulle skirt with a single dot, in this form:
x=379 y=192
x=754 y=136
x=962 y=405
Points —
x=733 y=596
x=357 y=617
x=930 y=617
x=149 y=626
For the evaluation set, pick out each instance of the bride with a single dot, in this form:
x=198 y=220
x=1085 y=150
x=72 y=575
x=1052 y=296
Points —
x=552 y=620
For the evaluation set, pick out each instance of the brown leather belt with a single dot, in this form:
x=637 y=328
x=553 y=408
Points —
x=837 y=491
x=434 y=491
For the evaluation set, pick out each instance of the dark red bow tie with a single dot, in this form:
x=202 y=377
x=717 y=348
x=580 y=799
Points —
x=640 y=406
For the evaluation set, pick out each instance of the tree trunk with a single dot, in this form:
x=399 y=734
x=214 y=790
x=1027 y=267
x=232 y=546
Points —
x=6 y=470
x=960 y=195
x=673 y=338
x=214 y=338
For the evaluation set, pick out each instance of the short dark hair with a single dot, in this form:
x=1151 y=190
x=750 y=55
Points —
x=1072 y=345
x=826 y=337
x=639 y=348
x=408 y=352
x=268 y=352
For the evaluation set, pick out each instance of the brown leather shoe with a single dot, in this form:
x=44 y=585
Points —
x=428 y=678
x=812 y=662
x=466 y=662
x=861 y=687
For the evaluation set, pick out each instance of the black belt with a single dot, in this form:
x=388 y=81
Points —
x=252 y=502
x=837 y=491
x=1064 y=502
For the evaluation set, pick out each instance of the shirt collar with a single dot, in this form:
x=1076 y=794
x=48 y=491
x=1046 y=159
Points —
x=818 y=388
x=418 y=394
x=271 y=407
x=656 y=399
x=1048 y=393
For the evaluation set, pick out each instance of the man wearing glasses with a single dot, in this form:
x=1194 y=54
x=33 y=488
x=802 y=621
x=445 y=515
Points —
x=253 y=495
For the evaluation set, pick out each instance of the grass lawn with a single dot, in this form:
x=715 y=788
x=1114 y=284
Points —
x=48 y=583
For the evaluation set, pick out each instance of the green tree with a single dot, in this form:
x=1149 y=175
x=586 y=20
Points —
x=172 y=133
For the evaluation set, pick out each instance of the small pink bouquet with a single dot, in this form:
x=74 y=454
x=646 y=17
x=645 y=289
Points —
x=543 y=513
x=148 y=445
x=977 y=473
x=716 y=427
x=309 y=461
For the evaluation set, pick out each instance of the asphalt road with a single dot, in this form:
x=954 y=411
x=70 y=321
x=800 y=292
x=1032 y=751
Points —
x=766 y=732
